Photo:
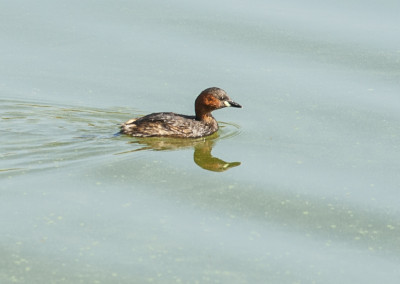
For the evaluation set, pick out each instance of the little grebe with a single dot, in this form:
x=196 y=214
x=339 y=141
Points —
x=170 y=124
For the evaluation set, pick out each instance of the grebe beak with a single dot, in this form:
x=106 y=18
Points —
x=232 y=104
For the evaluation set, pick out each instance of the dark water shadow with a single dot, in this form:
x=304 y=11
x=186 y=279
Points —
x=202 y=149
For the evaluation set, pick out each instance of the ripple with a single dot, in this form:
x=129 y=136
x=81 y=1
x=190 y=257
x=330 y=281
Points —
x=38 y=136
x=228 y=130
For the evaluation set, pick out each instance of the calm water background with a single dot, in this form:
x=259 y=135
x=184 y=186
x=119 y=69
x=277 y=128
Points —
x=315 y=198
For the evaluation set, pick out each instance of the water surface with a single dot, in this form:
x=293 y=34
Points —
x=299 y=186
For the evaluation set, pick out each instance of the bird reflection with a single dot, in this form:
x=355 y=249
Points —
x=202 y=150
x=203 y=158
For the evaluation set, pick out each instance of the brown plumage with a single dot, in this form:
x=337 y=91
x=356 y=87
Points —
x=170 y=124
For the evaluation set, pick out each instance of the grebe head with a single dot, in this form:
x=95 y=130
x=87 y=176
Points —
x=211 y=99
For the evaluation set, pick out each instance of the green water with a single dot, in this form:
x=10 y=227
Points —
x=299 y=186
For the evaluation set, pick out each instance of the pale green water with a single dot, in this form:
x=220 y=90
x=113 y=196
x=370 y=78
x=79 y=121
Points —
x=299 y=186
